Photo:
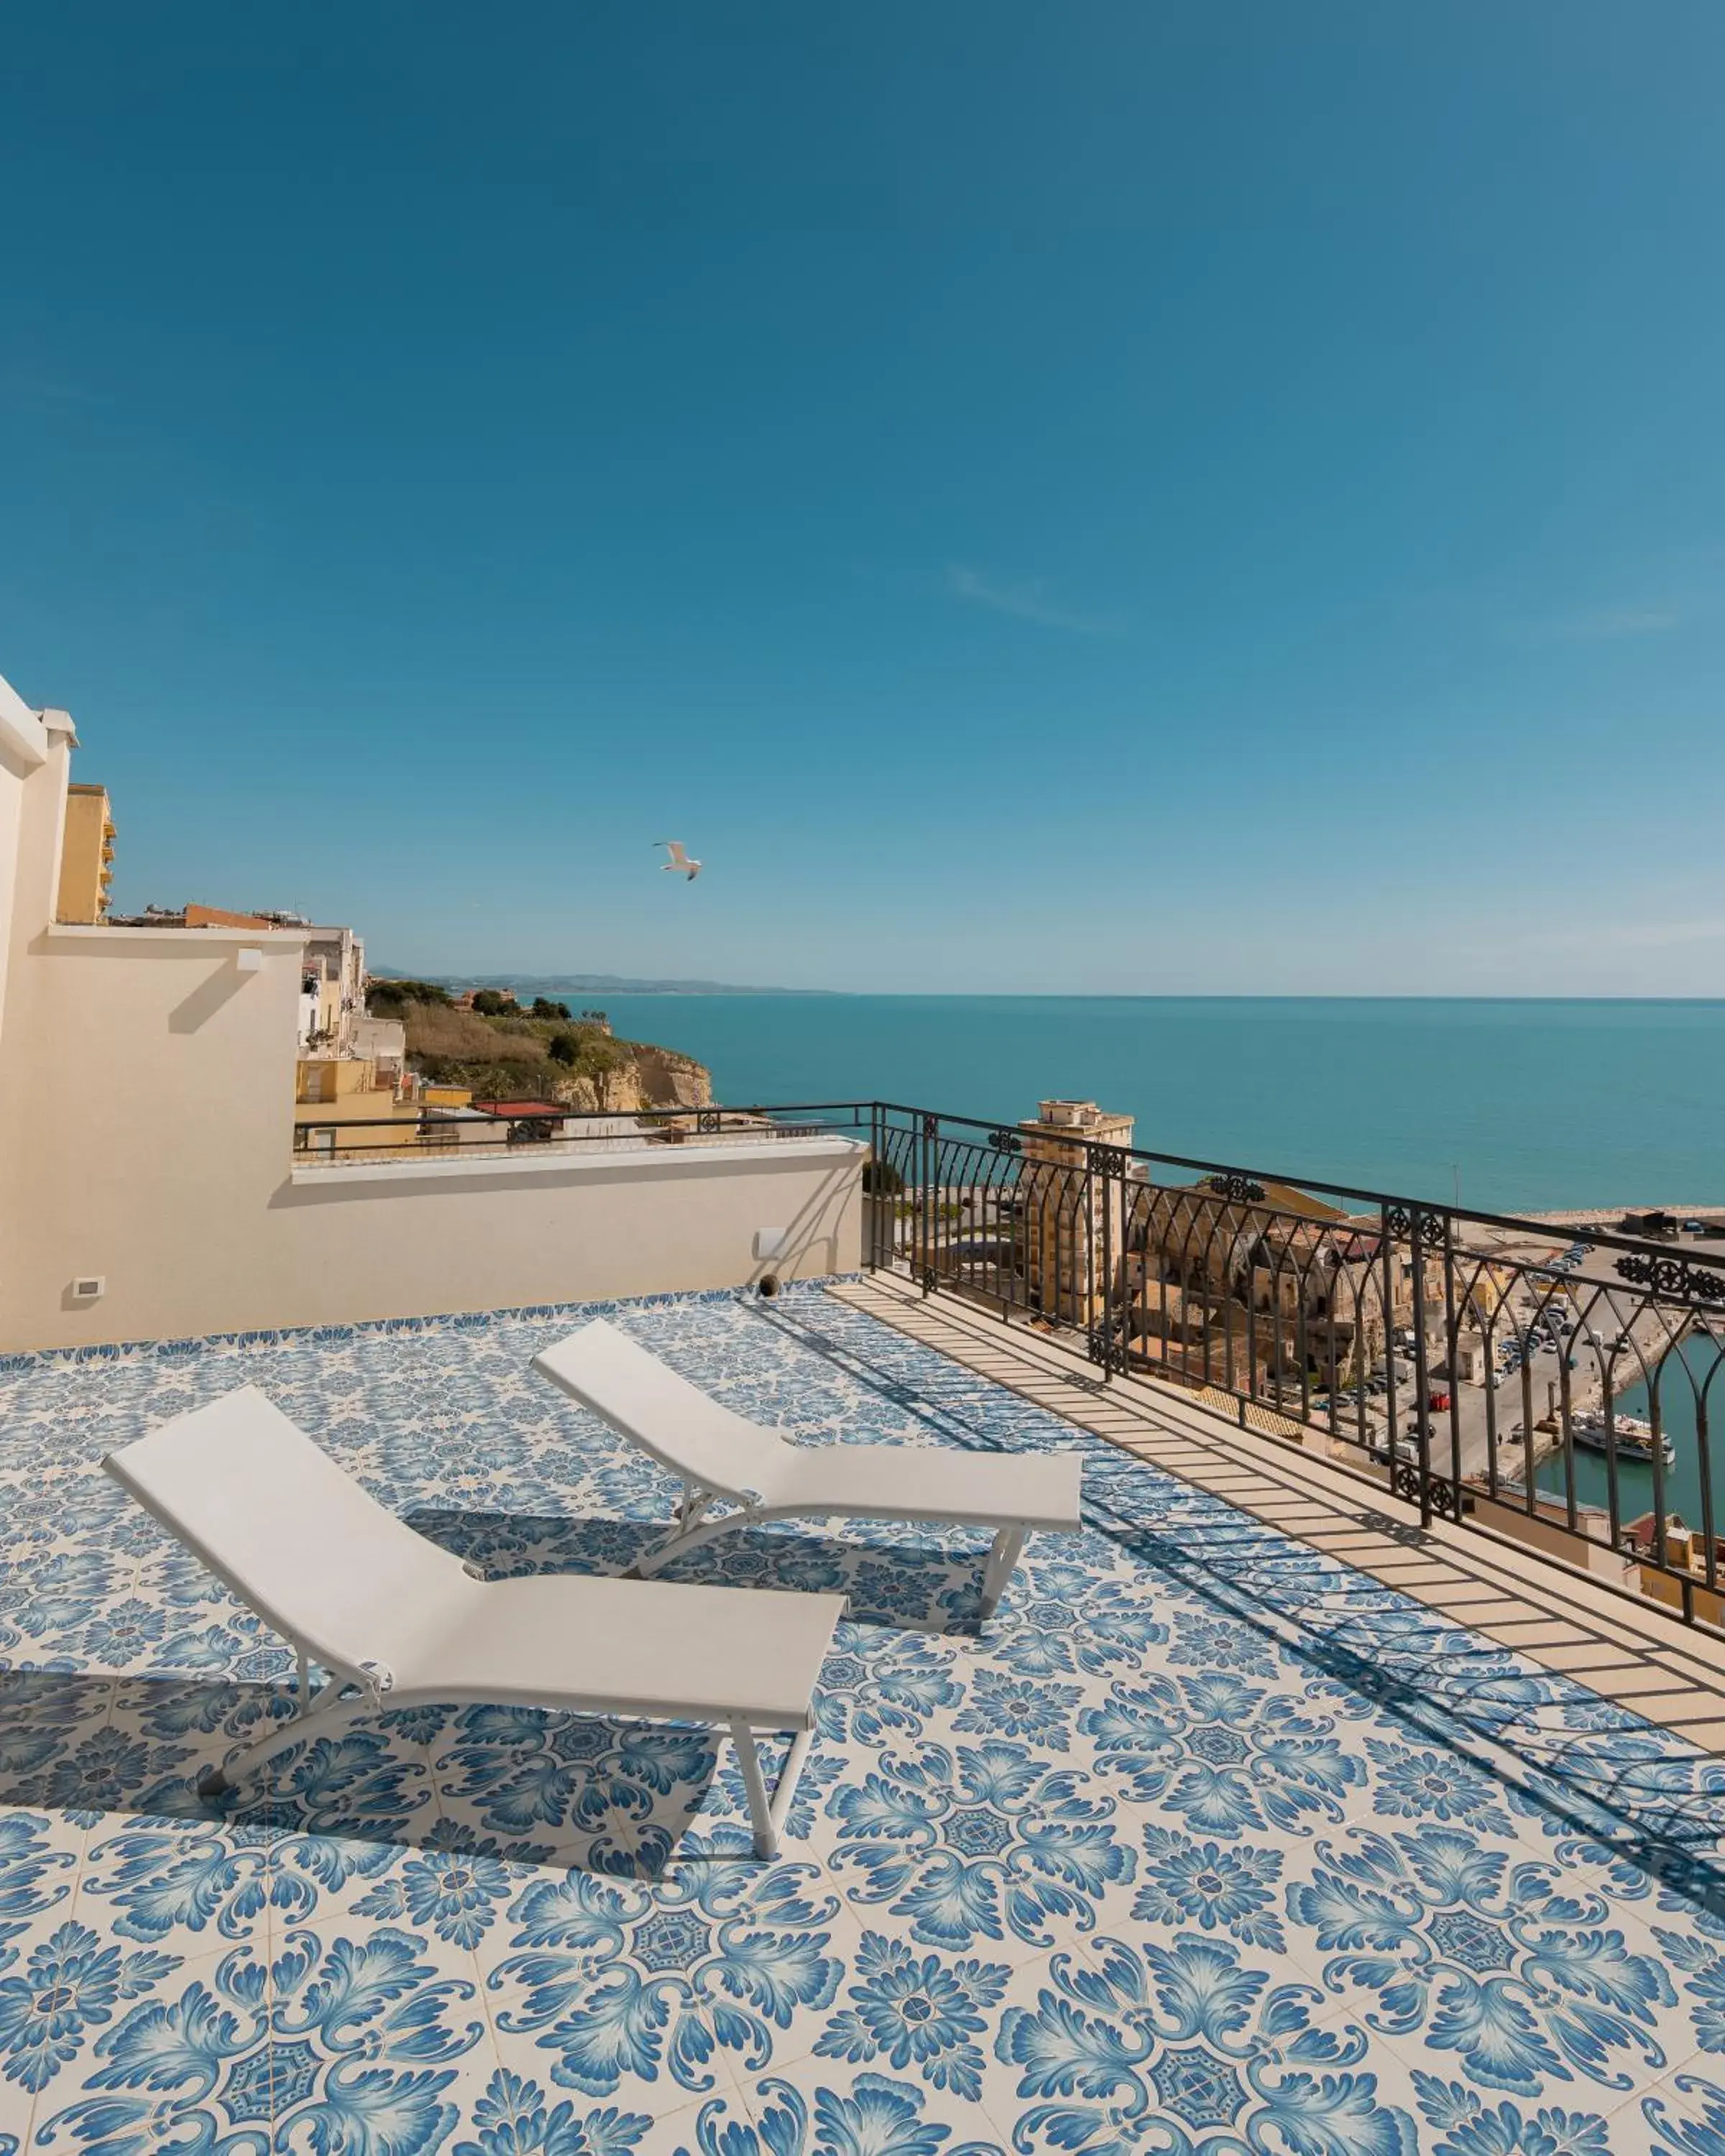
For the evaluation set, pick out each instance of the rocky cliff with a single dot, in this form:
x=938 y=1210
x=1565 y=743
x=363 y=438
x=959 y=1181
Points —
x=539 y=1052
x=645 y=1077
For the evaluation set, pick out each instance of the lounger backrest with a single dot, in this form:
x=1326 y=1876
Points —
x=295 y=1538
x=682 y=1427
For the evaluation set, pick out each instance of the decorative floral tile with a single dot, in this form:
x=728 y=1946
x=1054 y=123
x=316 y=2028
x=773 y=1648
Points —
x=824 y=2107
x=601 y=1984
x=1190 y=2042
x=1684 y=2116
x=1509 y=1973
x=1204 y=1841
x=324 y=2040
x=988 y=1846
x=515 y=2114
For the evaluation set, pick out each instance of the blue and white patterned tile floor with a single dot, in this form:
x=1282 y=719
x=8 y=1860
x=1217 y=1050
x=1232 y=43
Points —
x=1209 y=1843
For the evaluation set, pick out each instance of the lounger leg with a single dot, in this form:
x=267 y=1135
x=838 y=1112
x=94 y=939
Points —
x=787 y=1781
x=682 y=1540
x=767 y=1814
x=331 y=1709
x=760 y=1810
x=1003 y=1562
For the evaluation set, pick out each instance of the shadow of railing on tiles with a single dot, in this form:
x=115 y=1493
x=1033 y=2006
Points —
x=1618 y=1787
x=1612 y=1788
x=945 y=1420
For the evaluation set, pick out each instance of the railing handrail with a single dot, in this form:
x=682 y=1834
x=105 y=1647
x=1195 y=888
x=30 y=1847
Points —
x=551 y=1110
x=1380 y=1201
x=1231 y=1304
x=1518 y=1224
x=1396 y=1363
x=480 y=1128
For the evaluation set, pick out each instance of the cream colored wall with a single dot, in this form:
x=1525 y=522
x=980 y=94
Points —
x=24 y=751
x=155 y=1082
x=336 y=1245
x=155 y=1079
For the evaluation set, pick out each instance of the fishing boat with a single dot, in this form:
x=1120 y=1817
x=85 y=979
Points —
x=1629 y=1436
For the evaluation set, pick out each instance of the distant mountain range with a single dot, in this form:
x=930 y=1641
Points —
x=585 y=984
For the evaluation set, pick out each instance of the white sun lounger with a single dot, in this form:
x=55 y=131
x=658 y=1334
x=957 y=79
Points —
x=396 y=1621
x=722 y=1456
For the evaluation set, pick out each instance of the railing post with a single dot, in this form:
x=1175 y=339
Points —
x=1107 y=1250
x=1452 y=1335
x=876 y=1174
x=1387 y=1218
x=1422 y=1376
x=931 y=1158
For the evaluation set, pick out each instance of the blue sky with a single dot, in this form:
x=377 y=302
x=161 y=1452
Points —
x=1110 y=498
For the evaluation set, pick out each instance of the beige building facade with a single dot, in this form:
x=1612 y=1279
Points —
x=1279 y=1279
x=86 y=856
x=160 y=1194
x=1072 y=1224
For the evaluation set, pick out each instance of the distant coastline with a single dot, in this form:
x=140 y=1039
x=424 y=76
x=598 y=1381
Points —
x=586 y=984
x=1547 y=1104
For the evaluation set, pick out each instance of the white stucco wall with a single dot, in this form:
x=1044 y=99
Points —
x=147 y=1088
x=24 y=750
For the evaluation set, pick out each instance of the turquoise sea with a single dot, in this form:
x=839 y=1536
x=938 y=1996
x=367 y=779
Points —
x=1522 y=1104
x=1690 y=1377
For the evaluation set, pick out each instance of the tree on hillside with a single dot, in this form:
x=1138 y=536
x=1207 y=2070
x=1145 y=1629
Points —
x=588 y=1055
x=543 y=1006
x=600 y=1061
x=494 y=1002
x=384 y=997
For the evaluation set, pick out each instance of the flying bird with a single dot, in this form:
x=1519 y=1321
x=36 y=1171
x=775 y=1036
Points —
x=680 y=861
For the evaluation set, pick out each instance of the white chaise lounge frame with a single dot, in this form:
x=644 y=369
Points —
x=723 y=1458
x=396 y=1621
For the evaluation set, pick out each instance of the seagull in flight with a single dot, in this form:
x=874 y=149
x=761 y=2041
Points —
x=679 y=862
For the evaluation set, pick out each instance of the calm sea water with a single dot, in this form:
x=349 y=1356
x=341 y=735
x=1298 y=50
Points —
x=1688 y=1378
x=1522 y=1105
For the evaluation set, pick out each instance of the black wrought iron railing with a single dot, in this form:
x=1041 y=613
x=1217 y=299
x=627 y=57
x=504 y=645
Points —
x=1550 y=1382
x=336 y=1141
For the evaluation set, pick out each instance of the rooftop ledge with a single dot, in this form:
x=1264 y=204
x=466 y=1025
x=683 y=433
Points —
x=68 y=932
x=597 y=1157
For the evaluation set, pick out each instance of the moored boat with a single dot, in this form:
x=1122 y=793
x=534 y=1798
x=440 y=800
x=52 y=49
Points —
x=1629 y=1437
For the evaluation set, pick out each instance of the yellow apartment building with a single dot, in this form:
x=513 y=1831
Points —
x=86 y=856
x=348 y=1089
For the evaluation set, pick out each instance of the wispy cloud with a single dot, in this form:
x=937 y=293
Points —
x=1617 y=621
x=1030 y=601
